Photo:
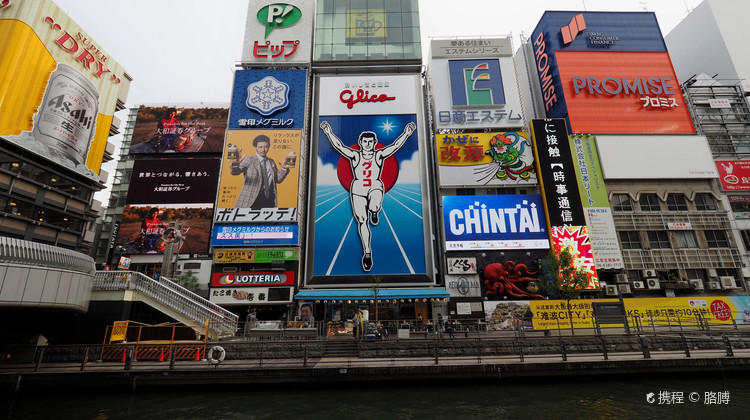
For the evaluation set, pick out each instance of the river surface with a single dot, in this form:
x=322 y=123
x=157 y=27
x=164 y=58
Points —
x=715 y=396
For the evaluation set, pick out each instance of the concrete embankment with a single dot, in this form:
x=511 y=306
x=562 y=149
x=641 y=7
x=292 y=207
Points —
x=332 y=361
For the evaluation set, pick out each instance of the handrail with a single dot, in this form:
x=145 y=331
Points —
x=171 y=294
x=19 y=251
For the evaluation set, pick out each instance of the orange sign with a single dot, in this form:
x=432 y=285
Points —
x=622 y=92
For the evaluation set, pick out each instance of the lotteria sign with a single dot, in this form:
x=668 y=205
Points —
x=608 y=72
x=271 y=278
x=494 y=222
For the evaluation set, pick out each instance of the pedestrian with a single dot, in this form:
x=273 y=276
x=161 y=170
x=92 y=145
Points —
x=449 y=327
x=440 y=323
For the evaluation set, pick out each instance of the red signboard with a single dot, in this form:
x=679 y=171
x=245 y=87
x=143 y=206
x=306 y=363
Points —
x=254 y=278
x=734 y=174
x=623 y=93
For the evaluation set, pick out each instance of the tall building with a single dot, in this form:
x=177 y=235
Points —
x=60 y=91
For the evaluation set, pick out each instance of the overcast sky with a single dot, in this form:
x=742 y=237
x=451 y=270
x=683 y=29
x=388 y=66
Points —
x=185 y=51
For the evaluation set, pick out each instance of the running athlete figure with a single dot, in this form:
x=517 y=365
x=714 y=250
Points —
x=366 y=191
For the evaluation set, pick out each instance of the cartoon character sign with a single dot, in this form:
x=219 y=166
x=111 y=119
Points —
x=507 y=150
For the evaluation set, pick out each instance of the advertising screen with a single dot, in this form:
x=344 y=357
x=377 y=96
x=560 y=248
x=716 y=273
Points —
x=59 y=87
x=369 y=200
x=164 y=191
x=268 y=99
x=494 y=222
x=470 y=159
x=253 y=255
x=169 y=129
x=259 y=177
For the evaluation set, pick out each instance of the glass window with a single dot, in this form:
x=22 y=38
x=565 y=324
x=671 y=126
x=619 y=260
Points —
x=630 y=239
x=649 y=202
x=705 y=201
x=622 y=202
x=686 y=239
x=658 y=239
x=716 y=239
x=746 y=239
x=676 y=202
x=465 y=191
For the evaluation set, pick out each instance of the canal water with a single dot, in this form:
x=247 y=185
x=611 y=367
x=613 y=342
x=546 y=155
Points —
x=658 y=397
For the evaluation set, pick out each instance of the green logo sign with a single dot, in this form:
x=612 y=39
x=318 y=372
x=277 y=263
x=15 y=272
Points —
x=278 y=16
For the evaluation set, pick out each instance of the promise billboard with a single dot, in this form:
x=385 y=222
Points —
x=178 y=129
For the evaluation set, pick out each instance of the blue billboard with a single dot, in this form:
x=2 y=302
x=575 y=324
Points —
x=265 y=98
x=255 y=235
x=494 y=222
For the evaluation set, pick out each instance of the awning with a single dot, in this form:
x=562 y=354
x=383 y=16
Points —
x=362 y=294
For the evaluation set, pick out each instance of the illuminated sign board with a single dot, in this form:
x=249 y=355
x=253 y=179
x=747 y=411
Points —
x=270 y=278
x=253 y=255
x=255 y=235
x=494 y=222
x=258 y=295
x=485 y=159
x=734 y=174
x=474 y=89
x=259 y=177
x=266 y=99
x=608 y=72
x=278 y=33
x=59 y=88
x=370 y=207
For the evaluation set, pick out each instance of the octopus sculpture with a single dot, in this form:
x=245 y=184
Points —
x=502 y=279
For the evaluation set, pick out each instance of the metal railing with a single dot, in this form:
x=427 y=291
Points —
x=18 y=251
x=192 y=306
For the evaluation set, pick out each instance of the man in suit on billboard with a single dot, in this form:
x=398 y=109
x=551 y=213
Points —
x=261 y=176
x=366 y=190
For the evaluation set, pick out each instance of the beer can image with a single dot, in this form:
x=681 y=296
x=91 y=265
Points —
x=66 y=120
x=291 y=160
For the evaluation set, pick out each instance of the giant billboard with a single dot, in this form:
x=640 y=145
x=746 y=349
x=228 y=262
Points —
x=278 y=32
x=475 y=159
x=259 y=177
x=495 y=222
x=178 y=129
x=164 y=191
x=474 y=84
x=369 y=210
x=59 y=87
x=608 y=72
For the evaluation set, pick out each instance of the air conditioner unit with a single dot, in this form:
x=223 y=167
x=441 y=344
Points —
x=639 y=285
x=727 y=282
x=714 y=285
x=712 y=272
x=621 y=278
x=653 y=284
x=745 y=272
x=610 y=290
x=649 y=273
x=624 y=288
x=697 y=284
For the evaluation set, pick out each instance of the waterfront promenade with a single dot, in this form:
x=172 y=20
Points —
x=495 y=357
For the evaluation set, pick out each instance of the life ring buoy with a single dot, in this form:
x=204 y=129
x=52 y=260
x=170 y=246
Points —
x=216 y=355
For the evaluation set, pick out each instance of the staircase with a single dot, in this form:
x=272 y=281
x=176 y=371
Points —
x=341 y=348
x=169 y=298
